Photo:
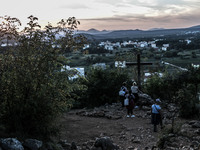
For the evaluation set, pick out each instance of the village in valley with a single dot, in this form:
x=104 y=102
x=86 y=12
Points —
x=113 y=49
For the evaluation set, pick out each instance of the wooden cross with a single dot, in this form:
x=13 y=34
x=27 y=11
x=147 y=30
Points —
x=138 y=63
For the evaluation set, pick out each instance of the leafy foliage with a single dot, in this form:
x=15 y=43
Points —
x=102 y=87
x=181 y=88
x=33 y=90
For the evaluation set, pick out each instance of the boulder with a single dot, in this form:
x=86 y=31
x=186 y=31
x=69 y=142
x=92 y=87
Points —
x=145 y=100
x=104 y=143
x=11 y=144
x=32 y=144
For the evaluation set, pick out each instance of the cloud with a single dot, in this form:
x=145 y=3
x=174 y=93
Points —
x=142 y=21
x=74 y=6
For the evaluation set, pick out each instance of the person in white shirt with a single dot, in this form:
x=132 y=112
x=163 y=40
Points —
x=156 y=117
x=135 y=90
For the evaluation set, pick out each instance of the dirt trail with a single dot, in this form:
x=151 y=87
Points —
x=125 y=132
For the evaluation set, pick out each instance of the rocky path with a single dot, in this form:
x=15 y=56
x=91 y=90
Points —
x=84 y=126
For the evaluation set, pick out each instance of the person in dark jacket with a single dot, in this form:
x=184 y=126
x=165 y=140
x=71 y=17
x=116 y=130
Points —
x=131 y=104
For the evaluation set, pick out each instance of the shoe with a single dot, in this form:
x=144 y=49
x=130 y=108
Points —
x=132 y=116
x=127 y=116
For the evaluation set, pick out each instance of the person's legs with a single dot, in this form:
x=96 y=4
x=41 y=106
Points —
x=160 y=121
x=122 y=100
x=154 y=122
x=131 y=110
x=128 y=112
x=136 y=98
x=154 y=128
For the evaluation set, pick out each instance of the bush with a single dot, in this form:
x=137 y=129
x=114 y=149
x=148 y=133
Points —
x=102 y=87
x=187 y=101
x=180 y=88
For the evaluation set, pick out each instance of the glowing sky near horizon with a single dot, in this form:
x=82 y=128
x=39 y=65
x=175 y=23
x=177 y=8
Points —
x=108 y=14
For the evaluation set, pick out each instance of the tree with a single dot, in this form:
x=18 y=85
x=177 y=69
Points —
x=33 y=90
x=8 y=29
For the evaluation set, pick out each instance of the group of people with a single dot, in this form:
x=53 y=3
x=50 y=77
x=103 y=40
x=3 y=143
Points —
x=130 y=98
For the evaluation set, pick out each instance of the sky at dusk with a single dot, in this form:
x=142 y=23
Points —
x=108 y=14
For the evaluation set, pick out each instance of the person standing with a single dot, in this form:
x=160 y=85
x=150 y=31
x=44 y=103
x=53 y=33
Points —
x=135 y=91
x=122 y=97
x=156 y=117
x=131 y=104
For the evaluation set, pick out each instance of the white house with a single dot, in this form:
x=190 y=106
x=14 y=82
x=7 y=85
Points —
x=153 y=45
x=164 y=48
x=125 y=43
x=109 y=47
x=76 y=72
x=143 y=44
x=149 y=75
x=100 y=65
x=86 y=46
x=120 y=64
x=195 y=66
x=117 y=44
x=102 y=44
x=165 y=45
x=188 y=41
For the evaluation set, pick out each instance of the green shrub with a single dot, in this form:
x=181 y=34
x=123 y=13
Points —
x=180 y=88
x=102 y=87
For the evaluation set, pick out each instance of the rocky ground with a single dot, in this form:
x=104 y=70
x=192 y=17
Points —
x=108 y=128
x=84 y=126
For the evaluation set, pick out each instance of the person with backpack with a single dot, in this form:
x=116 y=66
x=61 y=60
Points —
x=131 y=104
x=156 y=117
x=122 y=93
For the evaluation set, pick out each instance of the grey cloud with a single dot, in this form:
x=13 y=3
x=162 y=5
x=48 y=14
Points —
x=112 y=2
x=192 y=17
x=74 y=6
x=160 y=5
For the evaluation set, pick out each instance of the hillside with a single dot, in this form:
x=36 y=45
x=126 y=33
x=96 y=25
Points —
x=125 y=132
x=100 y=35
x=84 y=127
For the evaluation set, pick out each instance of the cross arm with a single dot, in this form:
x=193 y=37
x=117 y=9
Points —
x=135 y=63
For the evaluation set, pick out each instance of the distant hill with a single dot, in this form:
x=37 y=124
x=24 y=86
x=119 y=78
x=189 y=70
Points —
x=153 y=29
x=196 y=27
x=158 y=32
x=94 y=31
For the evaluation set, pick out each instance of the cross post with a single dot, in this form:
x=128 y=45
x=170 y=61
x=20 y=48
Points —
x=138 y=63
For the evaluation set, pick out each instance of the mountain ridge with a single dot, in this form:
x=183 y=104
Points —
x=137 y=33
